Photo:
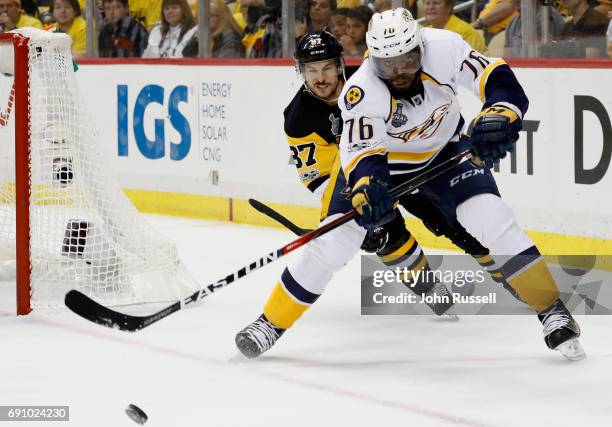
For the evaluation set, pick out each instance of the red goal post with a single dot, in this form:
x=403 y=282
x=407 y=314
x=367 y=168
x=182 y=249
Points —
x=64 y=223
x=19 y=101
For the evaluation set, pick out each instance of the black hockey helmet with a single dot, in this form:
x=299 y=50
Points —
x=318 y=46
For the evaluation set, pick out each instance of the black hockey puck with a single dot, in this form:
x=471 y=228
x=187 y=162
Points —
x=136 y=414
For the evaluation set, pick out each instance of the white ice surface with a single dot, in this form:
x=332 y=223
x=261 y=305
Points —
x=334 y=368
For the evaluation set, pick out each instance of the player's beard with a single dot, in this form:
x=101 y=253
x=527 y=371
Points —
x=403 y=82
x=329 y=93
x=323 y=90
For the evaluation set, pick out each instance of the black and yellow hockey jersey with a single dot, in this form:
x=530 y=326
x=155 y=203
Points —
x=313 y=130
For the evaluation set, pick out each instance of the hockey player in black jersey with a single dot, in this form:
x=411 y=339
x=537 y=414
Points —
x=313 y=126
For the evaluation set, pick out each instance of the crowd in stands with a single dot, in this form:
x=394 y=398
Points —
x=253 y=28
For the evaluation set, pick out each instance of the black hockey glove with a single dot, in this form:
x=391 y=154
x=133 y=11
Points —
x=494 y=131
x=375 y=241
x=371 y=200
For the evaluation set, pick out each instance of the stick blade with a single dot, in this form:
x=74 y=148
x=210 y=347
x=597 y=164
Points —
x=88 y=309
x=278 y=217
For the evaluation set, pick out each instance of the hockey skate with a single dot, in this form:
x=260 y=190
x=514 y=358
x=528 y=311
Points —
x=561 y=331
x=442 y=309
x=258 y=337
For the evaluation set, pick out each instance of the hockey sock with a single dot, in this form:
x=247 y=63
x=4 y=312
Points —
x=288 y=301
x=530 y=278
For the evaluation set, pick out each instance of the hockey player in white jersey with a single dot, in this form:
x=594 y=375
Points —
x=402 y=116
x=312 y=126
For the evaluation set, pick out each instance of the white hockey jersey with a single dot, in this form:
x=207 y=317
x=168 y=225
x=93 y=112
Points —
x=408 y=129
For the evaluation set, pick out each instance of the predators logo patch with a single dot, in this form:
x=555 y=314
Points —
x=426 y=129
x=353 y=97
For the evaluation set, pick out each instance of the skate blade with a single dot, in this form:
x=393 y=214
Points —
x=449 y=317
x=571 y=350
x=452 y=317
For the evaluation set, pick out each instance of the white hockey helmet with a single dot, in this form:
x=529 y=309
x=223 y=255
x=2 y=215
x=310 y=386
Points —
x=392 y=33
x=394 y=36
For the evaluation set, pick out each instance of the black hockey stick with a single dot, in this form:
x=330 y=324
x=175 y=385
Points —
x=97 y=313
x=276 y=216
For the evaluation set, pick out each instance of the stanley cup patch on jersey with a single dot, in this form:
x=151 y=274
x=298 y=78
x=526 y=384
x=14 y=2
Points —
x=335 y=124
x=399 y=118
x=353 y=97
x=426 y=129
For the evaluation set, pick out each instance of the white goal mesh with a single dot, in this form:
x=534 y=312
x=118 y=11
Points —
x=84 y=232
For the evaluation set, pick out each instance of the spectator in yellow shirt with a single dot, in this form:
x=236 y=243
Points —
x=67 y=14
x=382 y=5
x=439 y=14
x=494 y=17
x=12 y=16
x=349 y=3
x=241 y=16
x=147 y=12
x=253 y=34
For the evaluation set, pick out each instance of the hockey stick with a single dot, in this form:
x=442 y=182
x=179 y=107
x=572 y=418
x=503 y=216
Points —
x=271 y=213
x=97 y=313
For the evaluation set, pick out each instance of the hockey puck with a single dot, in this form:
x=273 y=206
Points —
x=136 y=414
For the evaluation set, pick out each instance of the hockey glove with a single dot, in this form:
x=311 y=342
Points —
x=494 y=131
x=371 y=200
x=375 y=241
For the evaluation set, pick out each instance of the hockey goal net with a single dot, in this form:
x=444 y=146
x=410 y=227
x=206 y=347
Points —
x=64 y=223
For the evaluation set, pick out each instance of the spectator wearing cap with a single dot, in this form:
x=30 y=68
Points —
x=67 y=14
x=439 y=14
x=122 y=36
x=12 y=16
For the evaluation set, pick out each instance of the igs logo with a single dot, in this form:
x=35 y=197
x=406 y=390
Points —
x=154 y=148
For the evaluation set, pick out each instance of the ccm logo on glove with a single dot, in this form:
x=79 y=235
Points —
x=494 y=131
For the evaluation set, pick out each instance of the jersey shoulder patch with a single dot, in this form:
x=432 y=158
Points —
x=353 y=96
x=365 y=94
